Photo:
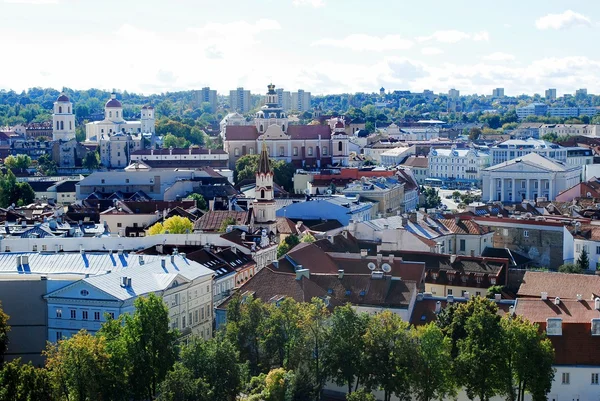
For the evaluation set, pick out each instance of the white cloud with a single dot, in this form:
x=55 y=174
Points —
x=361 y=42
x=431 y=51
x=312 y=3
x=454 y=36
x=499 y=56
x=567 y=19
x=32 y=1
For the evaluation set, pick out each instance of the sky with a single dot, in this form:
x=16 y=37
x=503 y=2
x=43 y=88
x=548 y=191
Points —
x=322 y=46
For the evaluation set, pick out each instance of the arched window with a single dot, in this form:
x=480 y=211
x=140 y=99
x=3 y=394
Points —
x=69 y=110
x=262 y=194
x=60 y=109
x=283 y=127
x=261 y=128
x=236 y=152
x=340 y=146
x=62 y=125
x=310 y=151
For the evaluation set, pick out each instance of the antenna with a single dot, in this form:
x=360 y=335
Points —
x=371 y=266
x=386 y=268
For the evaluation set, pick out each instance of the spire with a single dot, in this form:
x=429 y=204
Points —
x=263 y=162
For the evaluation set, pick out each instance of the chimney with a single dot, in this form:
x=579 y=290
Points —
x=386 y=226
x=438 y=307
x=183 y=255
x=363 y=253
x=141 y=259
x=404 y=221
x=544 y=296
x=124 y=281
x=129 y=282
x=379 y=258
x=472 y=253
x=23 y=223
x=172 y=259
x=579 y=297
x=419 y=296
x=456 y=220
x=597 y=303
x=412 y=217
x=341 y=274
x=276 y=264
x=18 y=261
x=25 y=260
x=81 y=250
x=391 y=258
x=163 y=263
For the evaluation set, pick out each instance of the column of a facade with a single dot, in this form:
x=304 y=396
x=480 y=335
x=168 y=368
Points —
x=492 y=182
x=539 y=191
x=527 y=184
x=514 y=191
x=502 y=189
x=550 y=188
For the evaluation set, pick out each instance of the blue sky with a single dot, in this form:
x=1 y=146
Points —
x=325 y=46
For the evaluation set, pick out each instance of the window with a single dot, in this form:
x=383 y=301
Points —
x=119 y=225
x=295 y=151
x=84 y=315
x=566 y=378
x=59 y=313
x=598 y=250
x=73 y=314
x=577 y=247
x=449 y=291
x=34 y=248
x=111 y=315
x=96 y=316
x=340 y=146
x=281 y=151
x=477 y=293
x=208 y=311
x=462 y=245
x=202 y=313
x=84 y=293
x=310 y=151
x=251 y=151
x=208 y=289
x=190 y=318
x=525 y=233
x=324 y=150
x=595 y=378
x=58 y=336
x=554 y=326
x=196 y=316
x=236 y=152
x=183 y=322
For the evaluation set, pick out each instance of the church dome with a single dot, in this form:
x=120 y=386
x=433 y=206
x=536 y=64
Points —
x=62 y=98
x=145 y=108
x=113 y=102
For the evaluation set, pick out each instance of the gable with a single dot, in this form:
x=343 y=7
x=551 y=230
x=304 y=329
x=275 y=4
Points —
x=81 y=290
x=520 y=168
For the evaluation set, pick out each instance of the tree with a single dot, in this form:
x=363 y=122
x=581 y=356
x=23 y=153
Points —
x=527 y=360
x=18 y=162
x=432 y=374
x=76 y=366
x=247 y=166
x=283 y=335
x=47 y=166
x=456 y=194
x=388 y=356
x=150 y=345
x=308 y=238
x=361 y=395
x=172 y=141
x=180 y=385
x=570 y=268
x=583 y=262
x=200 y=201
x=344 y=356
x=313 y=320
x=13 y=192
x=24 y=382
x=4 y=329
x=172 y=225
x=474 y=134
x=227 y=221
x=91 y=161
x=432 y=198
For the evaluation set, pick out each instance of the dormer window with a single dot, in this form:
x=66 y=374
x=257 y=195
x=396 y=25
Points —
x=554 y=327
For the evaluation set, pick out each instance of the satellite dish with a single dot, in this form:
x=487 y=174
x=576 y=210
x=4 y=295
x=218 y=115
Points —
x=329 y=192
x=386 y=268
x=371 y=266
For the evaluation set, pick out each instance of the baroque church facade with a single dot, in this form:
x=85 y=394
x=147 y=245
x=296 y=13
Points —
x=306 y=146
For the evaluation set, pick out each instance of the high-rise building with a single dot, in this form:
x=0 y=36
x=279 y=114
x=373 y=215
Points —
x=581 y=92
x=206 y=95
x=284 y=99
x=453 y=94
x=239 y=100
x=551 y=94
x=63 y=119
x=498 y=92
x=301 y=101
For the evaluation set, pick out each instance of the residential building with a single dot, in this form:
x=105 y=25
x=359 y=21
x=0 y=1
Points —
x=579 y=156
x=340 y=208
x=284 y=99
x=527 y=178
x=386 y=192
x=184 y=285
x=424 y=130
x=38 y=130
x=411 y=189
x=63 y=119
x=453 y=94
x=390 y=234
x=419 y=165
x=301 y=101
x=542 y=109
x=205 y=95
x=303 y=145
x=581 y=92
x=457 y=167
x=586 y=237
x=240 y=100
x=585 y=189
x=395 y=156
x=550 y=95
x=513 y=148
x=570 y=129
x=498 y=92
x=532 y=109
x=193 y=157
x=547 y=243
x=68 y=154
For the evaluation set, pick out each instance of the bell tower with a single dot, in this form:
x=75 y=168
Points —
x=264 y=203
x=63 y=119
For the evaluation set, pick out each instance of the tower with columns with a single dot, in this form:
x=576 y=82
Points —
x=63 y=119
x=264 y=201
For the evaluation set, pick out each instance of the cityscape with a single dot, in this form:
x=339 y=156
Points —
x=353 y=213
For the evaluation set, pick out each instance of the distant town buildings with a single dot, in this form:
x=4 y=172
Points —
x=514 y=148
x=240 y=100
x=284 y=99
x=460 y=166
x=498 y=92
x=205 y=95
x=63 y=119
x=300 y=101
x=542 y=109
x=550 y=95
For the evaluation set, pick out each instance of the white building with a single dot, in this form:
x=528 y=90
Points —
x=300 y=101
x=239 y=100
x=528 y=177
x=63 y=119
x=514 y=148
x=184 y=285
x=570 y=129
x=395 y=156
x=459 y=165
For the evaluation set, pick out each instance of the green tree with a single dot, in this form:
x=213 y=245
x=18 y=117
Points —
x=431 y=197
x=313 y=320
x=227 y=221
x=13 y=192
x=474 y=134
x=172 y=141
x=389 y=352
x=91 y=161
x=4 y=330
x=308 y=238
x=283 y=335
x=570 y=268
x=150 y=345
x=47 y=166
x=583 y=262
x=527 y=360
x=432 y=374
x=345 y=353
x=24 y=382
x=180 y=385
x=287 y=244
x=361 y=395
x=200 y=201
x=247 y=166
x=18 y=162
x=172 y=225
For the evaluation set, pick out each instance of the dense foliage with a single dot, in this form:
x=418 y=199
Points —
x=172 y=225
x=283 y=172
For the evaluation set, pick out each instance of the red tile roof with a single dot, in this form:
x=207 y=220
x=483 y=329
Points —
x=562 y=285
x=416 y=161
x=464 y=227
x=241 y=132
x=213 y=219
x=308 y=131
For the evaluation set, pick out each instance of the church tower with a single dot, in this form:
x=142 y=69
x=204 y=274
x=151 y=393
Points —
x=264 y=203
x=147 y=120
x=270 y=113
x=63 y=119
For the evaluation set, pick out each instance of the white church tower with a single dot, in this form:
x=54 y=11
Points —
x=264 y=200
x=113 y=109
x=147 y=120
x=63 y=119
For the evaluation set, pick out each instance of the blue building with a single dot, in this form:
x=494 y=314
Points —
x=339 y=208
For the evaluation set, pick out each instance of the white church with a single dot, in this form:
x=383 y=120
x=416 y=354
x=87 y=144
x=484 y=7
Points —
x=117 y=137
x=63 y=119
